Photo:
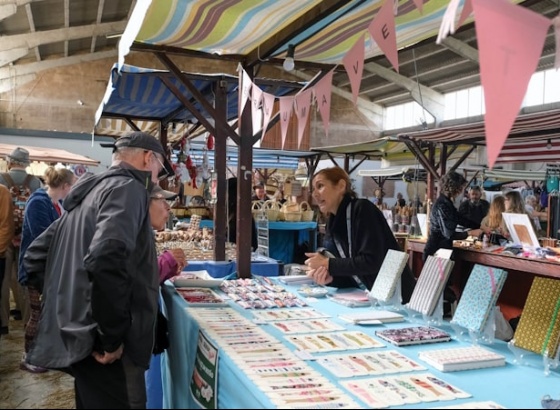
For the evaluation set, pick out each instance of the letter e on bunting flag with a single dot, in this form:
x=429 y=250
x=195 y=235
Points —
x=382 y=29
x=323 y=96
x=302 y=102
x=353 y=62
x=286 y=106
x=267 y=107
x=510 y=42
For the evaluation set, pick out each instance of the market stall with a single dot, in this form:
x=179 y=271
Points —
x=522 y=269
x=239 y=387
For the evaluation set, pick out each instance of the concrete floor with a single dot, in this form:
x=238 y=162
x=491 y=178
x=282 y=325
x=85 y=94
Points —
x=20 y=389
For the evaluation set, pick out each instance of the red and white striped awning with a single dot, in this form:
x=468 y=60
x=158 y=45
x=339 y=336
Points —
x=528 y=140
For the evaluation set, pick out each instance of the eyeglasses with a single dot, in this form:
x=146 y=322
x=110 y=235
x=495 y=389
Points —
x=162 y=173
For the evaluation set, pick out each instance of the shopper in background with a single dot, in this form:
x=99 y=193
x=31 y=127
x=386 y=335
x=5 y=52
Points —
x=101 y=281
x=494 y=223
x=41 y=210
x=531 y=206
x=444 y=217
x=16 y=180
x=359 y=236
x=6 y=229
x=514 y=203
x=260 y=192
x=474 y=208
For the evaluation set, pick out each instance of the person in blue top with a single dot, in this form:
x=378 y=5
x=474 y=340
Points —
x=41 y=210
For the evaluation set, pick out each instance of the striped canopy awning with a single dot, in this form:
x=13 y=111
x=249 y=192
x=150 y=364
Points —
x=262 y=158
x=49 y=155
x=388 y=149
x=141 y=95
x=533 y=137
x=322 y=30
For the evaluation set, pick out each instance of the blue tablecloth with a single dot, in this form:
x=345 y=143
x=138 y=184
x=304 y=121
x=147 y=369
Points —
x=283 y=237
x=263 y=267
x=513 y=386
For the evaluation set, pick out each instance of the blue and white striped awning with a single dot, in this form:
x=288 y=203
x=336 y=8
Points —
x=140 y=95
x=262 y=158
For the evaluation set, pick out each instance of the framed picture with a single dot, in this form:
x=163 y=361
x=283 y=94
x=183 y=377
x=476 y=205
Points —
x=521 y=229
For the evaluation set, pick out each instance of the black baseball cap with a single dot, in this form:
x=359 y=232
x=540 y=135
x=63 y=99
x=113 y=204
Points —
x=139 y=139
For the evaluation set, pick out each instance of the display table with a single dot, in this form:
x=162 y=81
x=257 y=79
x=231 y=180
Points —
x=284 y=237
x=513 y=386
x=263 y=267
x=520 y=272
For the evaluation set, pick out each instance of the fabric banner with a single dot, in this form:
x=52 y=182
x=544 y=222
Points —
x=286 y=107
x=353 y=62
x=447 y=25
x=382 y=29
x=465 y=13
x=245 y=88
x=267 y=107
x=510 y=43
x=302 y=103
x=419 y=4
x=323 y=97
x=255 y=105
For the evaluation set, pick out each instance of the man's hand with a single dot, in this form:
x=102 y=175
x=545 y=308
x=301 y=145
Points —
x=108 y=358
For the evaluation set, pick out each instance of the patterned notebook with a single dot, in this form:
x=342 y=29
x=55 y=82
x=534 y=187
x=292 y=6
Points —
x=539 y=325
x=430 y=284
x=390 y=272
x=479 y=297
x=415 y=335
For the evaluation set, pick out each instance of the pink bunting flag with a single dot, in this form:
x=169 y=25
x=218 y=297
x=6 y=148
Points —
x=382 y=29
x=256 y=94
x=465 y=13
x=510 y=43
x=286 y=108
x=244 y=90
x=302 y=103
x=323 y=96
x=556 y=23
x=419 y=4
x=353 y=62
x=267 y=107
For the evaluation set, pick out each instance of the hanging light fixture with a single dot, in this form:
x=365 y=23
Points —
x=549 y=144
x=289 y=63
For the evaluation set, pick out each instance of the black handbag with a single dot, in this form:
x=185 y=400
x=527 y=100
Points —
x=161 y=340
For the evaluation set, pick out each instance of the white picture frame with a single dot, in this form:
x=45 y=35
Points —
x=521 y=229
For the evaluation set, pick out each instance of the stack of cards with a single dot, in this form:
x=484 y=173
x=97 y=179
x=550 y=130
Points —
x=403 y=389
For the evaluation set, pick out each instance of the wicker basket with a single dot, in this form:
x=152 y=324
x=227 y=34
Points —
x=272 y=210
x=291 y=211
x=307 y=213
x=257 y=209
x=198 y=210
